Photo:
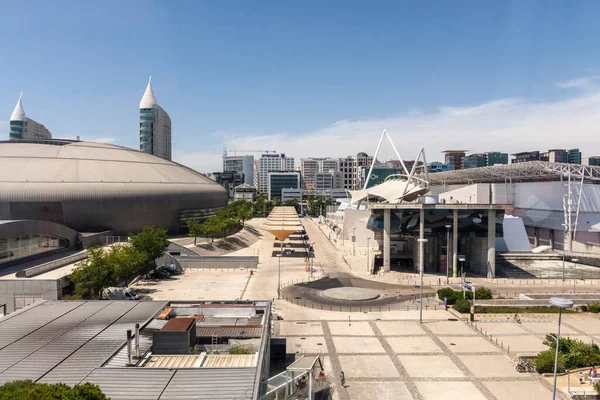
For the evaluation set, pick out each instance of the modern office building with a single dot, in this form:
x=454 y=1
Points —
x=594 y=161
x=291 y=194
x=437 y=166
x=325 y=180
x=229 y=180
x=96 y=187
x=276 y=181
x=242 y=164
x=155 y=126
x=476 y=160
x=573 y=156
x=557 y=155
x=272 y=163
x=311 y=166
x=378 y=175
x=495 y=158
x=454 y=158
x=526 y=156
x=22 y=127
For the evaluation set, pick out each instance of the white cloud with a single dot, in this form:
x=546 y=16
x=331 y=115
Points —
x=583 y=82
x=508 y=125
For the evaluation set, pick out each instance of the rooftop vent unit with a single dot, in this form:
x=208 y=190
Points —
x=176 y=337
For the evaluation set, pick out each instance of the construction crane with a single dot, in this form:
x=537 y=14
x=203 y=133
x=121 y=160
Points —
x=247 y=151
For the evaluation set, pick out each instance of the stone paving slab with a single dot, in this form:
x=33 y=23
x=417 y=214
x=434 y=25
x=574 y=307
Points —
x=450 y=328
x=415 y=344
x=587 y=325
x=501 y=328
x=378 y=390
x=300 y=328
x=392 y=328
x=367 y=345
x=523 y=344
x=450 y=391
x=368 y=367
x=468 y=344
x=430 y=366
x=490 y=366
x=308 y=344
x=548 y=327
x=358 y=328
x=513 y=390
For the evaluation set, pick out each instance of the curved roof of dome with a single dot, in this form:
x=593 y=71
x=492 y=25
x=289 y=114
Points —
x=362 y=154
x=87 y=162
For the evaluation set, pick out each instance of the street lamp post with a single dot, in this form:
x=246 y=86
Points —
x=421 y=243
x=353 y=241
x=560 y=303
x=368 y=254
x=447 y=251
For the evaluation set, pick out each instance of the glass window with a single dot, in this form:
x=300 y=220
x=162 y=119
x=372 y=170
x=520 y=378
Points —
x=13 y=248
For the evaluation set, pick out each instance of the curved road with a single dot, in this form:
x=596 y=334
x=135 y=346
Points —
x=336 y=275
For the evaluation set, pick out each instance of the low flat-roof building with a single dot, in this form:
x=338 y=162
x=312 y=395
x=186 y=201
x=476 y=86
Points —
x=74 y=342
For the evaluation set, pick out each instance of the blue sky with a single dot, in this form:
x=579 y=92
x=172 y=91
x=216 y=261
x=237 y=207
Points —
x=309 y=78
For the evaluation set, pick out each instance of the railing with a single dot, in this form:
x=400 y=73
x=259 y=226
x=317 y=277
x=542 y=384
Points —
x=218 y=262
x=52 y=265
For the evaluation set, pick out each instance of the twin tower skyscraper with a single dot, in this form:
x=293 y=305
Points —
x=155 y=126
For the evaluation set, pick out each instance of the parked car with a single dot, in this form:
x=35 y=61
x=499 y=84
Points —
x=159 y=274
x=167 y=271
x=118 y=293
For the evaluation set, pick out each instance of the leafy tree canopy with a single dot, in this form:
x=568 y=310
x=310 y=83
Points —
x=28 y=390
x=150 y=241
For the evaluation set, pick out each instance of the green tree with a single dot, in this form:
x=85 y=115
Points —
x=126 y=261
x=293 y=203
x=194 y=229
x=213 y=226
x=244 y=213
x=28 y=390
x=94 y=273
x=151 y=241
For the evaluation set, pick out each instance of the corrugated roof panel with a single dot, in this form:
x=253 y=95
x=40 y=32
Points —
x=229 y=332
x=15 y=328
x=211 y=384
x=46 y=358
x=16 y=351
x=131 y=383
x=229 y=361
x=176 y=361
x=96 y=351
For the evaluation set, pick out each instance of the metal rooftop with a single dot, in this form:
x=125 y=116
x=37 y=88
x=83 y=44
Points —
x=74 y=342
x=531 y=171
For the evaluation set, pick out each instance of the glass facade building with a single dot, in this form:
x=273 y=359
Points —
x=17 y=129
x=574 y=156
x=155 y=126
x=16 y=247
x=282 y=180
x=495 y=157
x=147 y=129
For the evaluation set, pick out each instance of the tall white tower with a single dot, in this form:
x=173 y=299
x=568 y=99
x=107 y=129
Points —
x=155 y=126
x=22 y=127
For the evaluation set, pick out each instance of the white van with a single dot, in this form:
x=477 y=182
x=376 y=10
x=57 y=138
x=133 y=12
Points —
x=118 y=293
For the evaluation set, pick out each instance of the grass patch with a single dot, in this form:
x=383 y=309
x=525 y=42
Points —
x=519 y=310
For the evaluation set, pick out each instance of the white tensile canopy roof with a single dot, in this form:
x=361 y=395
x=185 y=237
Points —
x=392 y=191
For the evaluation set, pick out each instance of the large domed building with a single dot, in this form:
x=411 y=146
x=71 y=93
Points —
x=95 y=187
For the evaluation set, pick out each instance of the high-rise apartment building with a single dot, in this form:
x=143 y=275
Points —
x=454 y=158
x=155 y=126
x=495 y=157
x=349 y=167
x=272 y=163
x=309 y=168
x=242 y=164
x=22 y=127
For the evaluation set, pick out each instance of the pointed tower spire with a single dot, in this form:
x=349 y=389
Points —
x=18 y=113
x=148 y=99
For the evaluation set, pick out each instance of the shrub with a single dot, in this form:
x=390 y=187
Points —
x=544 y=362
x=462 y=306
x=483 y=294
x=28 y=390
x=445 y=292
x=594 y=307
x=240 y=350
x=584 y=308
x=597 y=387
x=577 y=354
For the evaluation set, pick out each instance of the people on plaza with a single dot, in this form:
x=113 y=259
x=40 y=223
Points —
x=343 y=378
x=580 y=377
x=593 y=372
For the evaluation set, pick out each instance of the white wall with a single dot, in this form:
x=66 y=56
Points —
x=474 y=194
